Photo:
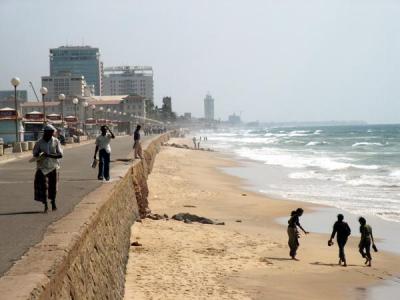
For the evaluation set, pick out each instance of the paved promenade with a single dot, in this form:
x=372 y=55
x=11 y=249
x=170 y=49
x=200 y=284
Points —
x=22 y=222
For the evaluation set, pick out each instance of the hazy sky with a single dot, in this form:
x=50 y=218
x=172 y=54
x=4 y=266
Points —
x=275 y=60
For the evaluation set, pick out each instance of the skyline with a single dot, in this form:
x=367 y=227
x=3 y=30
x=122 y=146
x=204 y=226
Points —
x=276 y=62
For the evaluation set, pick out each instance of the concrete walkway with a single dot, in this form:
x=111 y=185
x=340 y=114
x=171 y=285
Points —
x=22 y=222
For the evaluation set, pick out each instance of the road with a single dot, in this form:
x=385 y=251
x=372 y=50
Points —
x=22 y=222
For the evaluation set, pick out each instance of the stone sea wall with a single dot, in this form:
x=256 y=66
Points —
x=84 y=254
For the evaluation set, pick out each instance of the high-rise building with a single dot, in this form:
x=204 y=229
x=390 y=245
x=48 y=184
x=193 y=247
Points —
x=129 y=80
x=79 y=61
x=209 y=108
x=167 y=104
x=67 y=84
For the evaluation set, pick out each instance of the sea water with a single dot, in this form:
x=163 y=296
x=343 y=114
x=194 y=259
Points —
x=353 y=168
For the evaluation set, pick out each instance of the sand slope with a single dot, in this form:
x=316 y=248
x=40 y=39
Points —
x=241 y=260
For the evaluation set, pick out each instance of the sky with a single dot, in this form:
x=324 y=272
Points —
x=268 y=60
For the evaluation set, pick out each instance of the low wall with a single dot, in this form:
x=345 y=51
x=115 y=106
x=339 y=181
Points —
x=84 y=255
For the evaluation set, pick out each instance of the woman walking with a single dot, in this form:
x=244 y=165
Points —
x=293 y=232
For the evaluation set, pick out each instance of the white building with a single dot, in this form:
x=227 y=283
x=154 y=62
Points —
x=129 y=80
x=67 y=84
x=209 y=108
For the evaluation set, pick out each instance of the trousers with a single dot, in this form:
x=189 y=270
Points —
x=104 y=164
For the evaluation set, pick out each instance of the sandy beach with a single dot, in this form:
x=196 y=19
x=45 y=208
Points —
x=248 y=257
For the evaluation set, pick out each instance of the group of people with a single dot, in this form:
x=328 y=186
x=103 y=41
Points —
x=342 y=231
x=196 y=142
x=48 y=152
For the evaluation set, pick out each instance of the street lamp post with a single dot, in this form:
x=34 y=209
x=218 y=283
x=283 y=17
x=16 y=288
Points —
x=85 y=106
x=61 y=98
x=43 y=91
x=93 y=107
x=75 y=101
x=15 y=82
x=101 y=112
x=108 y=114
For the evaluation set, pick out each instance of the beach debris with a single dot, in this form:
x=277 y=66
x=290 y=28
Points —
x=244 y=194
x=136 y=244
x=189 y=218
x=157 y=216
x=188 y=205
x=239 y=221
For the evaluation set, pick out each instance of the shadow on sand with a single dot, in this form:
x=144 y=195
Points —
x=278 y=258
x=318 y=263
x=21 y=213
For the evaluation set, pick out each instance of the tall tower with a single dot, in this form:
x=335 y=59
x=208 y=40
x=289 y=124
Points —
x=78 y=61
x=209 y=107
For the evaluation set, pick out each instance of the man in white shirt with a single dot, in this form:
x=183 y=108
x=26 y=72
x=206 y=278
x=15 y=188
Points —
x=104 y=149
x=47 y=152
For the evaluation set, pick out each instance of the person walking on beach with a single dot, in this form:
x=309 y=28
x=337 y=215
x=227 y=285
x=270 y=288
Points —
x=194 y=142
x=342 y=231
x=47 y=152
x=293 y=232
x=136 y=143
x=365 y=242
x=104 y=149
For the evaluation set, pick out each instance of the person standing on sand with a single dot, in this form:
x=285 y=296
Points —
x=136 y=143
x=293 y=233
x=342 y=231
x=47 y=152
x=104 y=149
x=194 y=142
x=365 y=241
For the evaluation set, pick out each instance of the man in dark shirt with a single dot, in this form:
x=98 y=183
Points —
x=342 y=231
x=136 y=143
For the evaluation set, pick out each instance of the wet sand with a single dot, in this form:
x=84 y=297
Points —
x=239 y=260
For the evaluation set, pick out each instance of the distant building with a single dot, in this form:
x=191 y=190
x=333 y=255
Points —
x=209 y=108
x=67 y=84
x=80 y=61
x=129 y=80
x=234 y=119
x=187 y=116
x=167 y=105
x=7 y=97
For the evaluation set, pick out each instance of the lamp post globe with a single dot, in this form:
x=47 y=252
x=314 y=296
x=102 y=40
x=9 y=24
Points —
x=61 y=97
x=43 y=90
x=15 y=81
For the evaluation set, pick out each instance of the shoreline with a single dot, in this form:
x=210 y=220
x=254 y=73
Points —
x=261 y=264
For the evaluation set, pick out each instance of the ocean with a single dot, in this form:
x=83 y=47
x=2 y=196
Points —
x=353 y=168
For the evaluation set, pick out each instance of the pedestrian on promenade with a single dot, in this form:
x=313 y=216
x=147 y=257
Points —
x=293 y=232
x=342 y=231
x=104 y=149
x=366 y=240
x=194 y=142
x=137 y=147
x=47 y=152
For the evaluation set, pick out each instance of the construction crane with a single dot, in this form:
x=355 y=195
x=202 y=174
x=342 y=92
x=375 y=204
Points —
x=31 y=84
